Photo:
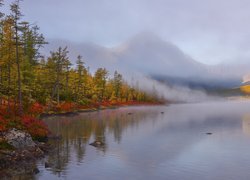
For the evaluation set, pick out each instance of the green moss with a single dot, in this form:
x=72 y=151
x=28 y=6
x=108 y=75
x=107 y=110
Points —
x=4 y=145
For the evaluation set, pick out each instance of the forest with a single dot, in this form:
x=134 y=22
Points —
x=32 y=84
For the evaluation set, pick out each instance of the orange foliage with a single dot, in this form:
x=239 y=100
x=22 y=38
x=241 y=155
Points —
x=36 y=109
x=3 y=124
x=9 y=118
x=35 y=127
x=245 y=89
x=5 y=111
x=66 y=107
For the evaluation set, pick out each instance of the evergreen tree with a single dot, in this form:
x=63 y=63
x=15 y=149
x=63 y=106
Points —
x=1 y=13
x=16 y=16
x=100 y=79
x=81 y=79
x=117 y=83
x=57 y=63
x=7 y=62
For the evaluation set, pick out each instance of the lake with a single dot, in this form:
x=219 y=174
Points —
x=153 y=142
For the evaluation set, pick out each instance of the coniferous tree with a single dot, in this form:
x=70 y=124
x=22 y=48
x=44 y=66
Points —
x=100 y=79
x=16 y=16
x=81 y=79
x=117 y=82
x=7 y=62
x=1 y=13
x=56 y=63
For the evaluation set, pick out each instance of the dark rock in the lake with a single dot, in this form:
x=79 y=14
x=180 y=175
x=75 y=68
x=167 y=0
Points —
x=162 y=112
x=47 y=165
x=36 y=171
x=97 y=144
x=209 y=133
x=19 y=139
x=130 y=113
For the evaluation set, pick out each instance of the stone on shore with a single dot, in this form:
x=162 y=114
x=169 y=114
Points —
x=19 y=139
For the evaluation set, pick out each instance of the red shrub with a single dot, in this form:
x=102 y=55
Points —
x=3 y=124
x=36 y=109
x=106 y=103
x=35 y=127
x=66 y=107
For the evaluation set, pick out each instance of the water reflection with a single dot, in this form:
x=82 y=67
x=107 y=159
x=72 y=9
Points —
x=147 y=144
x=246 y=124
x=78 y=131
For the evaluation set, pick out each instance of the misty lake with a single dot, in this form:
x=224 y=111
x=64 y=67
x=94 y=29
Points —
x=144 y=143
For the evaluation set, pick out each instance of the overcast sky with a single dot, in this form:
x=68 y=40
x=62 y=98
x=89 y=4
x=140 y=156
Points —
x=211 y=31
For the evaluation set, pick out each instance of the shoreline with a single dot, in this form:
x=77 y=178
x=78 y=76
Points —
x=88 y=110
x=17 y=161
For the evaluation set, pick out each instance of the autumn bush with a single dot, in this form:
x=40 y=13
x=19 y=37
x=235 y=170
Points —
x=36 y=109
x=3 y=124
x=9 y=118
x=106 y=103
x=37 y=128
x=66 y=107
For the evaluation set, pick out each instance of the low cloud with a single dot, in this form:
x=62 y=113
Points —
x=151 y=61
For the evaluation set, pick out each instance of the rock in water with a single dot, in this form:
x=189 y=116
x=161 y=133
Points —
x=36 y=171
x=47 y=165
x=19 y=139
x=97 y=144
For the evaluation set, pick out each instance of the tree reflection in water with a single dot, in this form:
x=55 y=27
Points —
x=78 y=131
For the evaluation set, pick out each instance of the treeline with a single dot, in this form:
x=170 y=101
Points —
x=27 y=77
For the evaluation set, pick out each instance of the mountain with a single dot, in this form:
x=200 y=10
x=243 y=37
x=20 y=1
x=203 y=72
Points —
x=148 y=54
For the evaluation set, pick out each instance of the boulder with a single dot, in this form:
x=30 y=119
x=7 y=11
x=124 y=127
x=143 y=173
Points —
x=97 y=144
x=19 y=139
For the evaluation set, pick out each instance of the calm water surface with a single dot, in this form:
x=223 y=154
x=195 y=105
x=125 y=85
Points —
x=150 y=145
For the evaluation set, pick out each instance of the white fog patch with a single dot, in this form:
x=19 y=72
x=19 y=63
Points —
x=171 y=93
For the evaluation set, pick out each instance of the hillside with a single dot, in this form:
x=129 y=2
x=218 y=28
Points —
x=148 y=54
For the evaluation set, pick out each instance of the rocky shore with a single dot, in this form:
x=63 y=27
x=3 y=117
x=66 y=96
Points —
x=18 y=153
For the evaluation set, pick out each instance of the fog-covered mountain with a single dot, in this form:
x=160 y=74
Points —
x=148 y=54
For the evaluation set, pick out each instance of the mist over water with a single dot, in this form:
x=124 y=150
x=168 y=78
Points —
x=148 y=144
x=173 y=93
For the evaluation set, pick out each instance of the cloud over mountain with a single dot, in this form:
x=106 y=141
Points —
x=148 y=54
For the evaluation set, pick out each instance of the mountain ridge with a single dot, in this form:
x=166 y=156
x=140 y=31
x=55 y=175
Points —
x=148 y=54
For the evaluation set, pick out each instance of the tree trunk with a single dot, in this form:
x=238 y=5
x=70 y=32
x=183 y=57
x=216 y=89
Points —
x=9 y=71
x=1 y=81
x=18 y=72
